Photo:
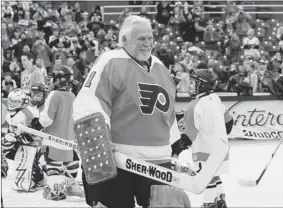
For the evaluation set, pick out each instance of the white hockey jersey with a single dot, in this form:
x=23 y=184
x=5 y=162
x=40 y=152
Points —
x=204 y=123
x=24 y=117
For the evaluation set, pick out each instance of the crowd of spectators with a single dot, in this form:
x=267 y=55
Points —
x=238 y=47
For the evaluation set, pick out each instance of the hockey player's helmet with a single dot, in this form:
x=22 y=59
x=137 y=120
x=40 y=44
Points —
x=202 y=80
x=17 y=99
x=39 y=93
x=62 y=77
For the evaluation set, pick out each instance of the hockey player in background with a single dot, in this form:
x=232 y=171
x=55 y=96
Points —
x=56 y=119
x=135 y=93
x=20 y=146
x=205 y=121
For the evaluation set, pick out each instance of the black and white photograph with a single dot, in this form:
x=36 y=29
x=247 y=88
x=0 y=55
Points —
x=141 y=104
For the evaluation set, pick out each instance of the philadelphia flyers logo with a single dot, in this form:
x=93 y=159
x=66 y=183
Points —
x=153 y=96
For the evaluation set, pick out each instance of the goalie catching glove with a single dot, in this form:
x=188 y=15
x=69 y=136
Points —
x=96 y=148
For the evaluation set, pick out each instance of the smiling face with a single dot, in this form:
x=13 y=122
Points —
x=140 y=43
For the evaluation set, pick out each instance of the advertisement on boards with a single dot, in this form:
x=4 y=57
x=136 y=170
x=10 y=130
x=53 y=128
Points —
x=252 y=119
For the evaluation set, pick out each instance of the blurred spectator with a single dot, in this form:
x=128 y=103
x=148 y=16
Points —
x=177 y=17
x=211 y=37
x=31 y=31
x=91 y=46
x=166 y=56
x=8 y=84
x=232 y=47
x=64 y=9
x=39 y=63
x=184 y=50
x=15 y=68
x=182 y=75
x=76 y=73
x=15 y=38
x=187 y=62
x=7 y=10
x=230 y=9
x=200 y=25
x=70 y=27
x=238 y=83
x=273 y=85
x=59 y=54
x=77 y=12
x=81 y=64
x=19 y=12
x=31 y=73
x=262 y=68
x=41 y=49
x=251 y=45
x=123 y=16
x=96 y=14
x=5 y=39
x=187 y=27
x=110 y=37
x=83 y=24
x=7 y=56
x=242 y=21
x=163 y=12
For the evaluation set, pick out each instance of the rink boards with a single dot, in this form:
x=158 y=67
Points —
x=257 y=117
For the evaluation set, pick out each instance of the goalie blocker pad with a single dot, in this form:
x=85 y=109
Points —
x=95 y=148
x=23 y=164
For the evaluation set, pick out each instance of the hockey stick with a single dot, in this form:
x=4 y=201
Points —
x=50 y=139
x=195 y=184
x=245 y=182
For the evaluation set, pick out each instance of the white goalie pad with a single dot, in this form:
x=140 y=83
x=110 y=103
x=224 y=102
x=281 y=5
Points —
x=195 y=184
x=23 y=163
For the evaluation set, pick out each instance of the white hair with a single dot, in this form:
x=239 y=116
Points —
x=128 y=26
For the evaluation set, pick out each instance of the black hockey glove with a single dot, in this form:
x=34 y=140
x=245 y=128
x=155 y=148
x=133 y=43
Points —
x=35 y=124
x=229 y=126
x=24 y=138
x=181 y=144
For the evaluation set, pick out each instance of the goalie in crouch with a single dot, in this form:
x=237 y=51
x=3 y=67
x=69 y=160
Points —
x=135 y=93
x=22 y=147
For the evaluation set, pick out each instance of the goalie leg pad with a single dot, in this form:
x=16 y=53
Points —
x=95 y=147
x=23 y=165
x=167 y=196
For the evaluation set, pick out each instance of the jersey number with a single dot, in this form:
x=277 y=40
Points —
x=90 y=78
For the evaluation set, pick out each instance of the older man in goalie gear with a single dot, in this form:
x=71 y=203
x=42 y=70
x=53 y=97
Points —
x=135 y=94
x=132 y=94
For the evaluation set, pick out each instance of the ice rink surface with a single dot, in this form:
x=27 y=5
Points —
x=247 y=160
